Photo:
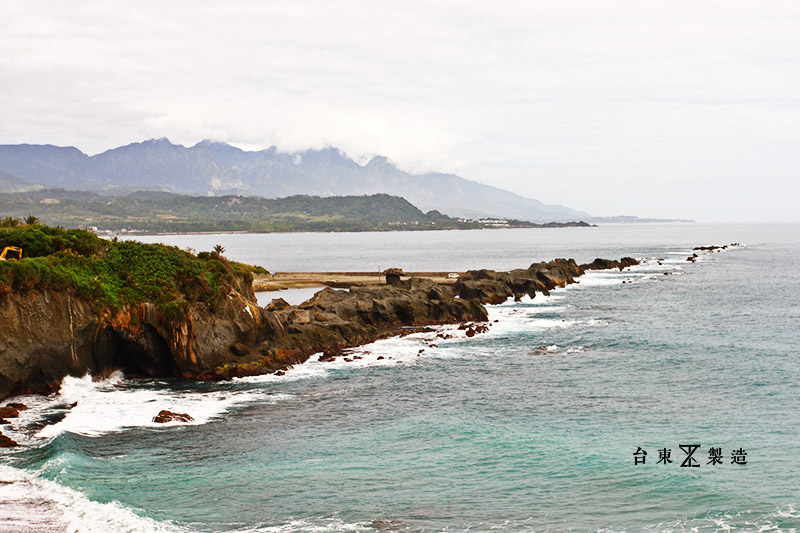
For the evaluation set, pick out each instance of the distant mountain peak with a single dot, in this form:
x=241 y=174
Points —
x=160 y=140
x=214 y=167
x=380 y=161
x=209 y=142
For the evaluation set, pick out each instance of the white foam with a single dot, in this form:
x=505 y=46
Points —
x=595 y=278
x=38 y=504
x=406 y=349
x=538 y=300
x=789 y=512
x=318 y=525
x=109 y=406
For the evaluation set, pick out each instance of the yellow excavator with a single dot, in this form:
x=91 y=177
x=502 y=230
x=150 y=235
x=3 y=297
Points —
x=11 y=249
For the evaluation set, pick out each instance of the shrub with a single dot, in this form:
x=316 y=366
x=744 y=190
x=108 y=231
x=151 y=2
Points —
x=112 y=274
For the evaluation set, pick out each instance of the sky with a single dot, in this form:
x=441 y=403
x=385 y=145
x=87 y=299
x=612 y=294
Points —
x=677 y=109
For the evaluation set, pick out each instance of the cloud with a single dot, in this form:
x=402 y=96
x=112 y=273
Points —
x=609 y=107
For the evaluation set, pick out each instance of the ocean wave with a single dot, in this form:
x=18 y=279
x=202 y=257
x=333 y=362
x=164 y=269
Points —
x=31 y=503
x=316 y=525
x=780 y=519
x=94 y=408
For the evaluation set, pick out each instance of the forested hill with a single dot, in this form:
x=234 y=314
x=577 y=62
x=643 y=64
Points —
x=166 y=212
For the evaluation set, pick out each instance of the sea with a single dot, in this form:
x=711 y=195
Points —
x=665 y=397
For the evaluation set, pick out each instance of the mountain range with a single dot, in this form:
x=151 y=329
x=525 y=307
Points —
x=215 y=169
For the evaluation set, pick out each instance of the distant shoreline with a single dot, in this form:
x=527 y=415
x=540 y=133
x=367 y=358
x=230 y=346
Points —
x=547 y=225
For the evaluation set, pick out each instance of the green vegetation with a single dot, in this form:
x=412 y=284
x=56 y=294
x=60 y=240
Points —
x=160 y=212
x=111 y=274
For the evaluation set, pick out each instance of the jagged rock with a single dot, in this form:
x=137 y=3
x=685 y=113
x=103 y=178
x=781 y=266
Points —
x=487 y=286
x=17 y=405
x=278 y=304
x=605 y=264
x=165 y=416
x=393 y=276
x=7 y=442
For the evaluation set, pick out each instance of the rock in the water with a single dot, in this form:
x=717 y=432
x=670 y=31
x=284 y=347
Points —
x=18 y=406
x=6 y=442
x=8 y=412
x=168 y=416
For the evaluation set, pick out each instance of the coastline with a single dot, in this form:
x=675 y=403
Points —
x=543 y=353
x=409 y=229
x=238 y=338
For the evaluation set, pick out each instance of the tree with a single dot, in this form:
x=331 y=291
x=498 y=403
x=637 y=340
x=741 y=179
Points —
x=30 y=220
x=9 y=222
x=219 y=249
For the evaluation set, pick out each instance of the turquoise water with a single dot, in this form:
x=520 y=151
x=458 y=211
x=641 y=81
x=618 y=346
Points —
x=530 y=427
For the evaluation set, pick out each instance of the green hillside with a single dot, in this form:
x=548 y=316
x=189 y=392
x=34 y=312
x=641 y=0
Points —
x=167 y=212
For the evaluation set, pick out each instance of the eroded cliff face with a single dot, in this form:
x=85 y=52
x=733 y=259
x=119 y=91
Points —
x=44 y=336
x=47 y=335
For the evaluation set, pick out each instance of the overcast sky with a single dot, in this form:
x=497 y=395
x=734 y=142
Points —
x=676 y=108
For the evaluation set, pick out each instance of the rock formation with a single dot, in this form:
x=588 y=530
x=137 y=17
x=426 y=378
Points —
x=165 y=416
x=48 y=335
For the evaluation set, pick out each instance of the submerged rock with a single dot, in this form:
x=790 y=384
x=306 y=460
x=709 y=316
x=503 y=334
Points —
x=388 y=525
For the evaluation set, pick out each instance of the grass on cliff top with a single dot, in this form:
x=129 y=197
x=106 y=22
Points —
x=112 y=274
